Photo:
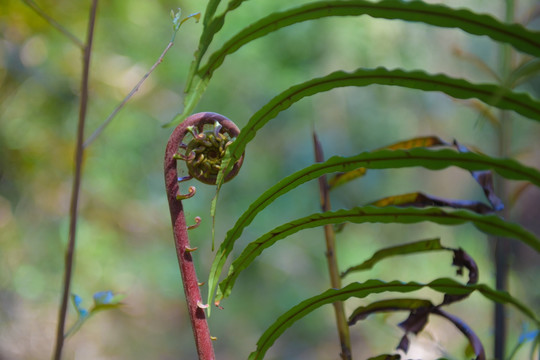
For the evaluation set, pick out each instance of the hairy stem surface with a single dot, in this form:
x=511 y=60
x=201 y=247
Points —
x=198 y=320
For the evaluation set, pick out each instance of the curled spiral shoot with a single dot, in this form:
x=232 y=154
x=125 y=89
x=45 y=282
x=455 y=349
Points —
x=203 y=155
x=205 y=151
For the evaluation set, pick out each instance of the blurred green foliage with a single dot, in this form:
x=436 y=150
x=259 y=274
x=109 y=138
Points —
x=124 y=237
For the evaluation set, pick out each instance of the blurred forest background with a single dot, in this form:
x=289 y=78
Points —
x=124 y=237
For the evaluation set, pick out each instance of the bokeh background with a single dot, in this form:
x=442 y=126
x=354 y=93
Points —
x=124 y=241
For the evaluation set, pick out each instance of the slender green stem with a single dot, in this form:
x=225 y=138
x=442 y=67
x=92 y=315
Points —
x=502 y=253
x=176 y=26
x=502 y=246
x=331 y=259
x=107 y=121
x=79 y=151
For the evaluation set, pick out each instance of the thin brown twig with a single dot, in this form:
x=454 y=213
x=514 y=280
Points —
x=79 y=151
x=331 y=259
x=102 y=127
x=31 y=4
x=176 y=26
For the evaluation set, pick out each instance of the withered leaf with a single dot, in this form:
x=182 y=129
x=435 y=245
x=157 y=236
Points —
x=462 y=260
x=404 y=344
x=465 y=330
x=485 y=179
x=419 y=199
x=416 y=321
x=400 y=304
x=422 y=141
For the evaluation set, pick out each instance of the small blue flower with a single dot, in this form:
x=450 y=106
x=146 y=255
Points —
x=77 y=301
x=103 y=298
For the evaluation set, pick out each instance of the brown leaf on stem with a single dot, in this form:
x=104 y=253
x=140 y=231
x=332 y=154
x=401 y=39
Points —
x=345 y=177
x=423 y=141
x=475 y=342
x=404 y=344
x=419 y=199
x=462 y=260
x=403 y=304
x=416 y=321
x=485 y=179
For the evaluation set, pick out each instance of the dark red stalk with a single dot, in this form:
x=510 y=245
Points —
x=183 y=248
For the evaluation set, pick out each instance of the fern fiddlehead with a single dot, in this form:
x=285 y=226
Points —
x=204 y=152
x=202 y=155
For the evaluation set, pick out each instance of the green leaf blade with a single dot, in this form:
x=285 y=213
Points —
x=361 y=290
x=381 y=159
x=403 y=249
x=457 y=88
x=327 y=297
x=415 y=11
x=400 y=304
x=489 y=224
